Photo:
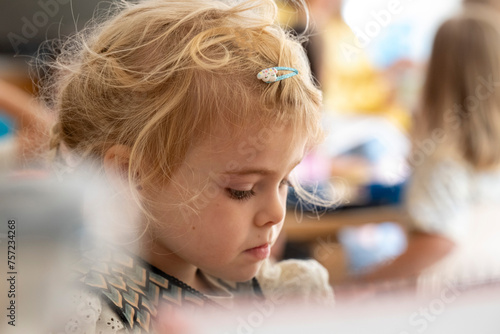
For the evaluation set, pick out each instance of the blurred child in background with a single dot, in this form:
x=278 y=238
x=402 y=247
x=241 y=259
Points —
x=454 y=194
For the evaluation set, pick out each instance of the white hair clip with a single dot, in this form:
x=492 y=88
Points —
x=269 y=75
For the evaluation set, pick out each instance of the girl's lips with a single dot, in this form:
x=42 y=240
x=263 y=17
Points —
x=261 y=252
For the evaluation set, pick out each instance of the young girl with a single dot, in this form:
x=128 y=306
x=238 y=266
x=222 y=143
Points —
x=454 y=193
x=202 y=109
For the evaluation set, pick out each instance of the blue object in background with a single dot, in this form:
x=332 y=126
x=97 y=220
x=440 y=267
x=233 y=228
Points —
x=6 y=125
x=372 y=244
x=392 y=45
x=380 y=194
x=374 y=195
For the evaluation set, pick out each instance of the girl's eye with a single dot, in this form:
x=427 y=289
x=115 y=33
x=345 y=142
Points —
x=240 y=195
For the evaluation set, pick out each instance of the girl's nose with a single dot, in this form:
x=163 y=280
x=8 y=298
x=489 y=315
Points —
x=273 y=209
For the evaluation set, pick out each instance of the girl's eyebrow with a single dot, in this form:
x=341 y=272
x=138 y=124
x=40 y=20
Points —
x=258 y=171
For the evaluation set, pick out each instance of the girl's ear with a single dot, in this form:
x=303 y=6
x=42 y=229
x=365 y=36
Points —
x=116 y=162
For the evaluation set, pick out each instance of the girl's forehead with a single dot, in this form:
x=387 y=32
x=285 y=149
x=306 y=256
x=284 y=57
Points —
x=249 y=145
x=253 y=135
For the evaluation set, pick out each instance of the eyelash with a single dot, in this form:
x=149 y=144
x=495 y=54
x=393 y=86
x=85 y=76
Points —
x=242 y=195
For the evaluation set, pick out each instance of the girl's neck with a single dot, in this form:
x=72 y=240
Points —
x=169 y=263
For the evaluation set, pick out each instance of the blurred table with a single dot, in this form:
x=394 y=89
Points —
x=308 y=228
x=319 y=235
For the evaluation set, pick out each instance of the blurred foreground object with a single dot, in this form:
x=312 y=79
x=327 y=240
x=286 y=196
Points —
x=41 y=240
x=46 y=224
x=451 y=311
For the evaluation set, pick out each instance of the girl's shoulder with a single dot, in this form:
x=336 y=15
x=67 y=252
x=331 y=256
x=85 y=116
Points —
x=439 y=175
x=442 y=165
x=443 y=194
x=451 y=173
x=129 y=291
x=304 y=280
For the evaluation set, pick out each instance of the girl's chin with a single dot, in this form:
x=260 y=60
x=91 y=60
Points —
x=237 y=275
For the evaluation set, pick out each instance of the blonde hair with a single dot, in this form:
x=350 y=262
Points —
x=158 y=76
x=457 y=101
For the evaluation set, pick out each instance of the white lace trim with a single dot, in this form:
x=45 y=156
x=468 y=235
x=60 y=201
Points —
x=303 y=280
x=89 y=316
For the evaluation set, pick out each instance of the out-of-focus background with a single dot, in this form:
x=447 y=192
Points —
x=368 y=56
x=370 y=59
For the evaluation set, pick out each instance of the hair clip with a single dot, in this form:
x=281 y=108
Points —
x=269 y=75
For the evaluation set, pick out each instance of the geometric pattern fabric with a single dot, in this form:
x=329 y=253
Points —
x=135 y=289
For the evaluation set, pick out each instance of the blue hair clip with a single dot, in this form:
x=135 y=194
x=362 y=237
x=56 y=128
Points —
x=269 y=75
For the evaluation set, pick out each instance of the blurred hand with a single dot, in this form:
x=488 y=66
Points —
x=33 y=122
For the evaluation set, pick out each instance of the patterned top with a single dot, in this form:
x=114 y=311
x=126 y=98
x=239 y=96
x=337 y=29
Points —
x=120 y=293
